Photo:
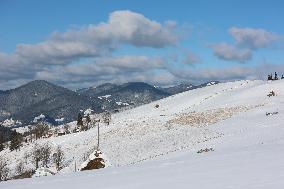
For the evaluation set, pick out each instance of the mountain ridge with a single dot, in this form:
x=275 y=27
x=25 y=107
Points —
x=42 y=97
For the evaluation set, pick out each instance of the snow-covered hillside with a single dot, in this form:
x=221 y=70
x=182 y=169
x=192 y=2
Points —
x=231 y=118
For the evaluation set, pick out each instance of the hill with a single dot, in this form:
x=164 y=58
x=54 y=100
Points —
x=133 y=94
x=41 y=97
x=235 y=128
x=118 y=96
x=56 y=102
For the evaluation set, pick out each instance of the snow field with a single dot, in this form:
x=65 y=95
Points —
x=229 y=117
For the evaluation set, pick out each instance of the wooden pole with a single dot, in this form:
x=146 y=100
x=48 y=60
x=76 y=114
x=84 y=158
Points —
x=75 y=166
x=98 y=135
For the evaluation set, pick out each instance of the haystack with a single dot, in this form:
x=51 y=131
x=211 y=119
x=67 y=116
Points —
x=95 y=162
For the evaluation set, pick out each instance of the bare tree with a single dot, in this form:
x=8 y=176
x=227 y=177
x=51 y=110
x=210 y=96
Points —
x=30 y=133
x=20 y=169
x=58 y=158
x=41 y=153
x=26 y=157
x=4 y=170
x=37 y=155
x=88 y=121
x=46 y=152
x=106 y=117
x=40 y=130
x=56 y=131
x=66 y=129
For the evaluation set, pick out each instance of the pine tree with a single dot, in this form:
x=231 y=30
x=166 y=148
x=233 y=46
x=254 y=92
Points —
x=2 y=147
x=80 y=121
x=275 y=76
x=88 y=120
x=16 y=140
x=2 y=141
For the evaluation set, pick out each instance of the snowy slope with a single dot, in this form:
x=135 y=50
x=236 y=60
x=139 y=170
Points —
x=229 y=117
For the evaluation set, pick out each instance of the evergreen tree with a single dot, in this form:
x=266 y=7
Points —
x=16 y=140
x=88 y=120
x=275 y=76
x=80 y=121
x=2 y=141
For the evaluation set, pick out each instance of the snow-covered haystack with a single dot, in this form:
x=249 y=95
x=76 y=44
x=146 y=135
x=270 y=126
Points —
x=96 y=160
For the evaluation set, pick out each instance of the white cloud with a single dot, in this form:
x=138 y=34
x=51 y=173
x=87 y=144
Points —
x=253 y=38
x=85 y=56
x=123 y=27
x=231 y=53
x=63 y=51
x=246 y=40
x=106 y=69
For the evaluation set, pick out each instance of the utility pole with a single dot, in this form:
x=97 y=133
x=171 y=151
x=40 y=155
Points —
x=75 y=165
x=98 y=136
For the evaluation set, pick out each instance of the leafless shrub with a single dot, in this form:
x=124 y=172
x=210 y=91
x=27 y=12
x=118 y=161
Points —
x=46 y=152
x=41 y=154
x=106 y=117
x=26 y=157
x=66 y=129
x=58 y=158
x=20 y=169
x=36 y=155
x=40 y=130
x=4 y=170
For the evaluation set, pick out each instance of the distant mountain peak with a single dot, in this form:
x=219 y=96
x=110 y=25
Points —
x=39 y=96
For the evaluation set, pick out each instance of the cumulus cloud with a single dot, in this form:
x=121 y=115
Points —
x=93 y=43
x=246 y=41
x=122 y=27
x=253 y=38
x=231 y=53
x=104 y=69
x=86 y=56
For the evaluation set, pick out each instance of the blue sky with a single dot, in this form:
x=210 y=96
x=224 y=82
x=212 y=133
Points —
x=199 y=41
